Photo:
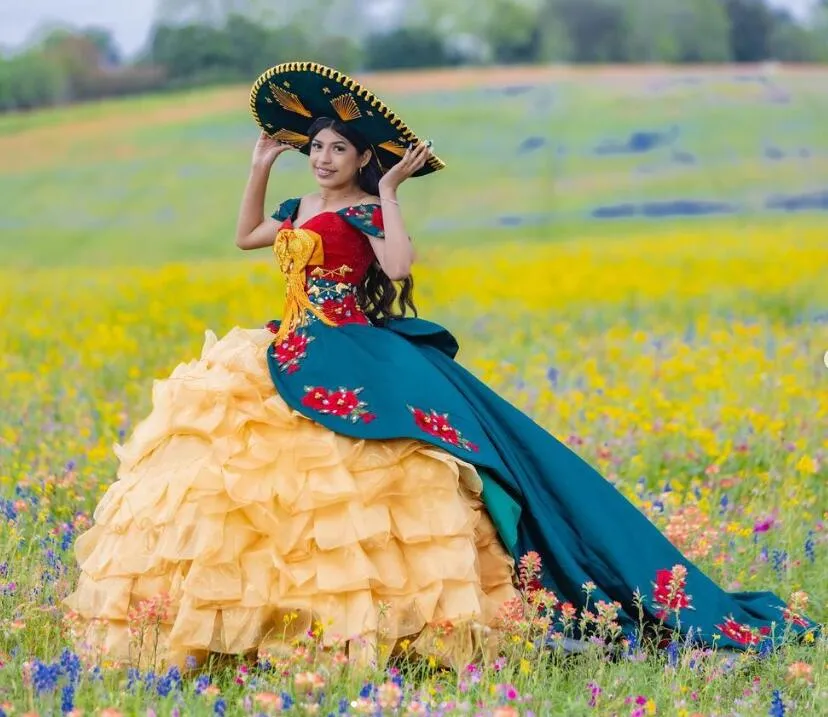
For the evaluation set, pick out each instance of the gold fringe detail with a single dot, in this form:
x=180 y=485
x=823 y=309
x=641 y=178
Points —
x=346 y=107
x=295 y=139
x=295 y=249
x=289 y=101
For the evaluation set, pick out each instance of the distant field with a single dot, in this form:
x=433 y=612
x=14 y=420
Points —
x=535 y=153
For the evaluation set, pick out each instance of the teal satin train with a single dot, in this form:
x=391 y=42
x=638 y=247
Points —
x=400 y=380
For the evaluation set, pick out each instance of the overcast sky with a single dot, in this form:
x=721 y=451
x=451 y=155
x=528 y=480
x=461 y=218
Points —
x=129 y=20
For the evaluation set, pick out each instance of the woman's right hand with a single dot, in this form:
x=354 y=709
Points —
x=268 y=149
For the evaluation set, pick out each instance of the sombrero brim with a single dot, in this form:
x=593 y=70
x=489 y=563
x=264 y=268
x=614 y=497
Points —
x=286 y=99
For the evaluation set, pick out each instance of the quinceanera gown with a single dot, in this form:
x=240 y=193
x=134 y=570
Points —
x=357 y=476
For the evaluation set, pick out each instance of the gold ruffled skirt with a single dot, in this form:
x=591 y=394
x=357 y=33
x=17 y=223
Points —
x=243 y=524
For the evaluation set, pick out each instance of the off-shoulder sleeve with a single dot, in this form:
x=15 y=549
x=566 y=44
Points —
x=287 y=209
x=365 y=217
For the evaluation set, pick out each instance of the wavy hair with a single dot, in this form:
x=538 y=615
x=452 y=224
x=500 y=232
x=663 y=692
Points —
x=377 y=294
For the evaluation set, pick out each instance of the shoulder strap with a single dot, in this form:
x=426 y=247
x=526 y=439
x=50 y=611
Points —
x=287 y=209
x=365 y=217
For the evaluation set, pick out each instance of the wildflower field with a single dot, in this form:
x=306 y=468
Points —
x=636 y=258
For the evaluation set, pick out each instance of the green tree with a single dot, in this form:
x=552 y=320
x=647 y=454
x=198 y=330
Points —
x=751 y=26
x=702 y=29
x=30 y=80
x=405 y=47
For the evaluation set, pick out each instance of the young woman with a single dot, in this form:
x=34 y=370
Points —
x=339 y=468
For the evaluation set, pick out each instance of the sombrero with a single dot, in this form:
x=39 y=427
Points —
x=288 y=98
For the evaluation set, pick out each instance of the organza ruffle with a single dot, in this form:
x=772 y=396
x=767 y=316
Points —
x=247 y=523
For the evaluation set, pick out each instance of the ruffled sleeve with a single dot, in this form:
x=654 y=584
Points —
x=365 y=217
x=287 y=209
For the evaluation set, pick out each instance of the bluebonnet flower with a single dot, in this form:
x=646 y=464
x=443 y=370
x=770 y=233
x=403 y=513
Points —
x=70 y=665
x=287 y=701
x=133 y=677
x=67 y=538
x=672 y=654
x=366 y=690
x=810 y=547
x=7 y=509
x=67 y=698
x=219 y=707
x=343 y=706
x=45 y=677
x=780 y=561
x=202 y=683
x=165 y=686
x=777 y=708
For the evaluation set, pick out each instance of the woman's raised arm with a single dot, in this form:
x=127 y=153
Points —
x=254 y=230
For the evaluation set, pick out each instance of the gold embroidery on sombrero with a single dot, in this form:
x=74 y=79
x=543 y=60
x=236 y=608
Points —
x=346 y=107
x=295 y=249
x=289 y=101
x=297 y=139
x=393 y=147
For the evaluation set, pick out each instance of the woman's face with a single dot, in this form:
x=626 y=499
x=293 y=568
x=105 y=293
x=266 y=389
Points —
x=334 y=160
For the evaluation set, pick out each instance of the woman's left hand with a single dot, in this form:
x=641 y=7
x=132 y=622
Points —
x=413 y=160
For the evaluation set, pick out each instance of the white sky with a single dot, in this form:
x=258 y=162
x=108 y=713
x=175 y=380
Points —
x=130 y=20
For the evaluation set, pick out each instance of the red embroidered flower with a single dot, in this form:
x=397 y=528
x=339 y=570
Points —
x=438 y=425
x=669 y=592
x=344 y=310
x=341 y=402
x=736 y=631
x=291 y=350
x=376 y=219
x=316 y=398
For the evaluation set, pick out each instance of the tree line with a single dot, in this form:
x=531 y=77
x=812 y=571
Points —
x=234 y=41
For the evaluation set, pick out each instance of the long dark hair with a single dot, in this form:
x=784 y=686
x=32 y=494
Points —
x=377 y=294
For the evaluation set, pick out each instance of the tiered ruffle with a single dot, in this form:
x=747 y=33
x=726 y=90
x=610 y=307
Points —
x=255 y=523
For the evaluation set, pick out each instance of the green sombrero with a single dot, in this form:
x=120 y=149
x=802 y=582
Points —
x=288 y=98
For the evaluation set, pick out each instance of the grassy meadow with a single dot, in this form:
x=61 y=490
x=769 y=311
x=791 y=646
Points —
x=638 y=258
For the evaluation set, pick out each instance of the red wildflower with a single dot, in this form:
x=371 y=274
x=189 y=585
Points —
x=669 y=592
x=736 y=631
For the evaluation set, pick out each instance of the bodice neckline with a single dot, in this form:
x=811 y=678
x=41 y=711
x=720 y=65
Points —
x=337 y=212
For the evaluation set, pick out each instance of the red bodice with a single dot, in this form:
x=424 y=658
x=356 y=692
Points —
x=343 y=245
x=324 y=261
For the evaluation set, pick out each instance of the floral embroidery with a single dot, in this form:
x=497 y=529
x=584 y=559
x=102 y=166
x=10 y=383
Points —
x=337 y=300
x=438 y=425
x=743 y=634
x=367 y=218
x=342 y=402
x=290 y=351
